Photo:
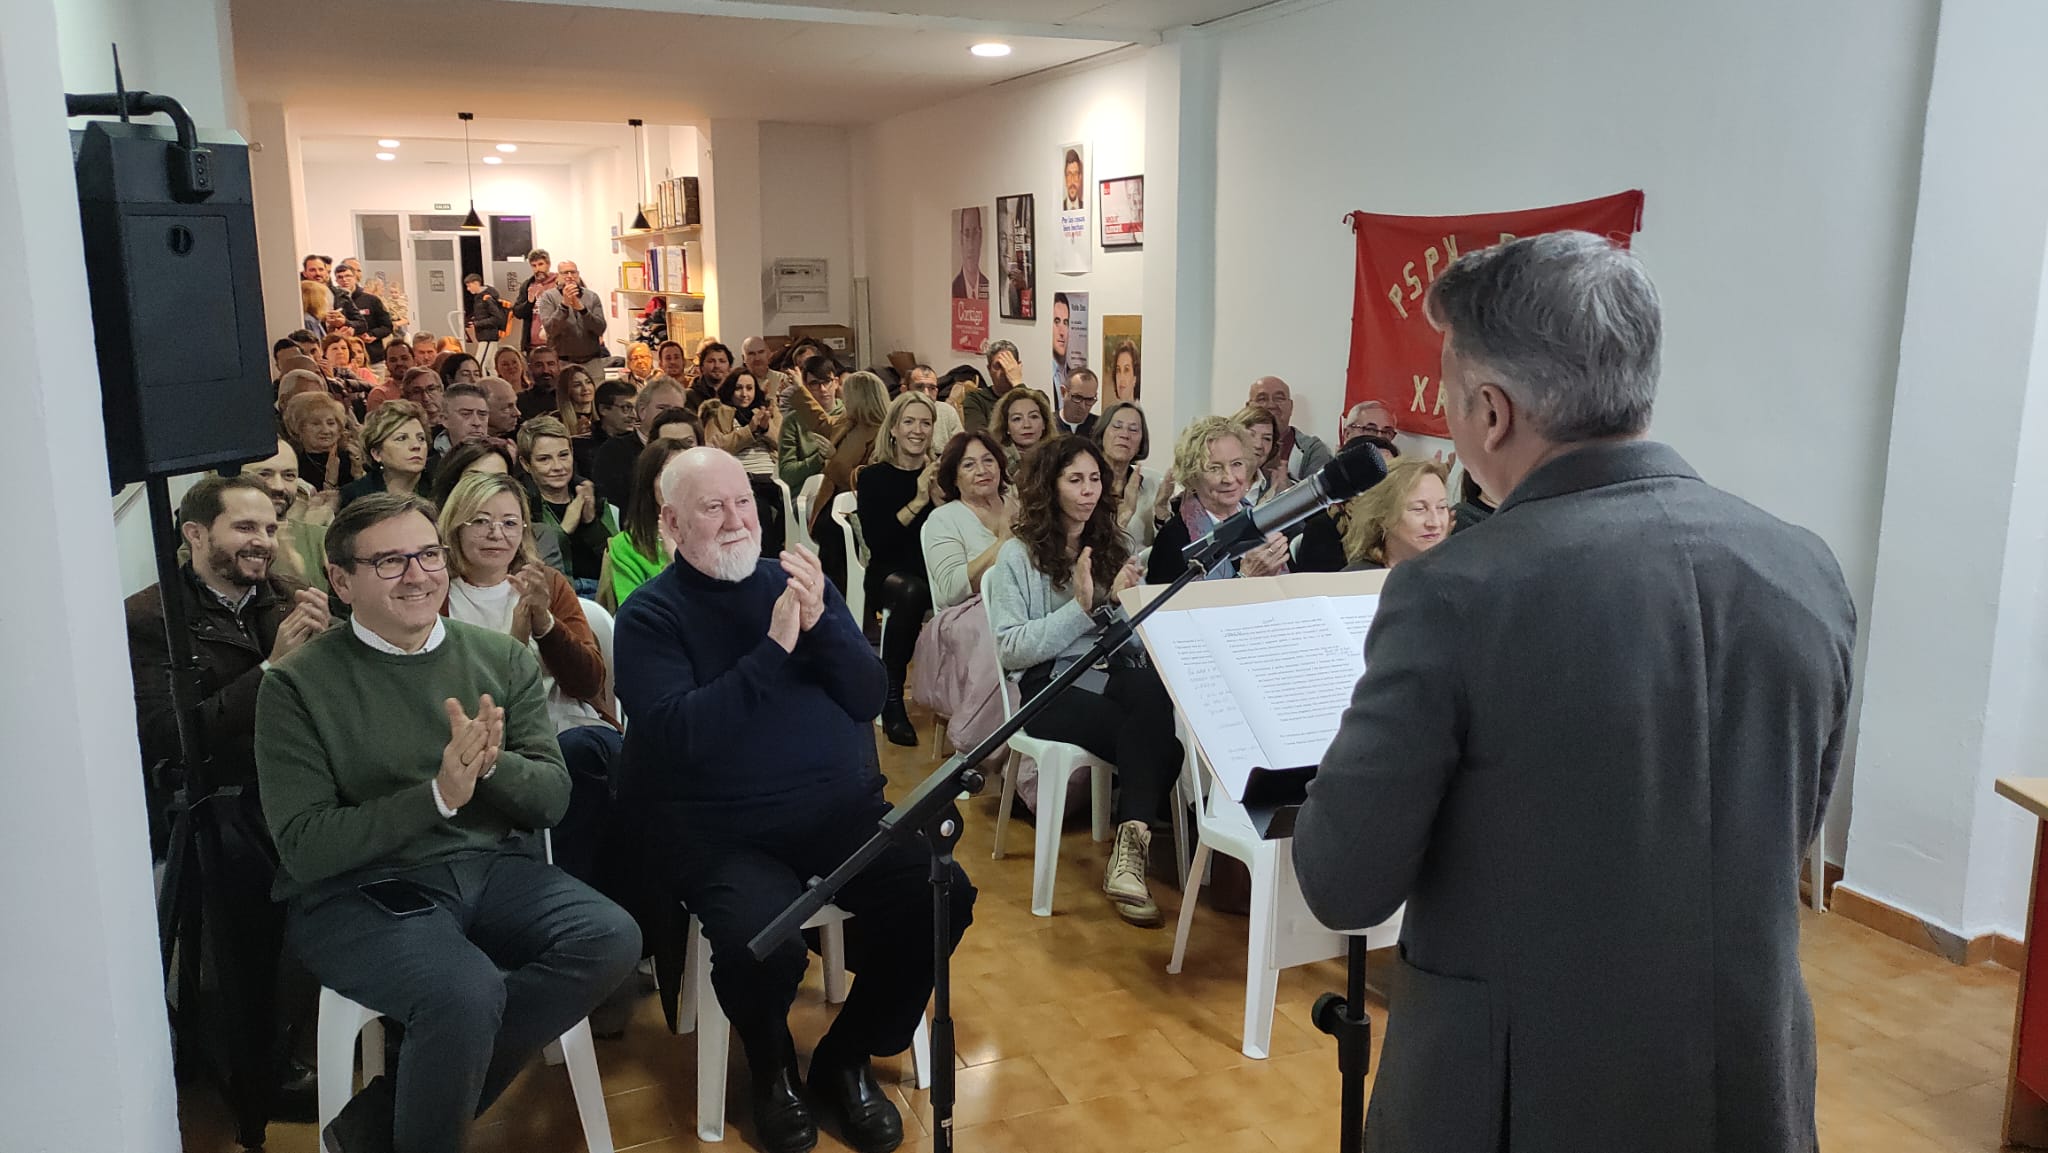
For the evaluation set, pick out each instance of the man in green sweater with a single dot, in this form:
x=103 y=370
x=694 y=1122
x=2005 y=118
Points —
x=409 y=749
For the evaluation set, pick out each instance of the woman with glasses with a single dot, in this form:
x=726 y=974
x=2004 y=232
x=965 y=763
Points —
x=497 y=581
x=1139 y=496
x=1269 y=466
x=1215 y=463
x=395 y=440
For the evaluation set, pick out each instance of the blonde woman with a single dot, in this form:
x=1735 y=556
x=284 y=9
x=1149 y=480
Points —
x=864 y=404
x=1399 y=518
x=395 y=441
x=318 y=305
x=320 y=428
x=496 y=581
x=1269 y=467
x=1215 y=463
x=894 y=498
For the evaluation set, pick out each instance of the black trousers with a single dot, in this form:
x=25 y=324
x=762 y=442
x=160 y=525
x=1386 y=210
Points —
x=514 y=953
x=1129 y=724
x=909 y=600
x=736 y=883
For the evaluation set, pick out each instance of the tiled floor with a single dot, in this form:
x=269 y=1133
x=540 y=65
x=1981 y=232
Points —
x=1073 y=1038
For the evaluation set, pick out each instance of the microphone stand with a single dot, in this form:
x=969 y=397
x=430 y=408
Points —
x=928 y=815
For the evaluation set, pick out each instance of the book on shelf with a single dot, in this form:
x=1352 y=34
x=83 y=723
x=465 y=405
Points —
x=672 y=268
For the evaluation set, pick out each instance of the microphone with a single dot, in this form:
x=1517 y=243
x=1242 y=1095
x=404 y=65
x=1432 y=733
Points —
x=1357 y=468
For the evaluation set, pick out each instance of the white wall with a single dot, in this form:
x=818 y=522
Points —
x=921 y=166
x=336 y=192
x=1778 y=148
x=806 y=211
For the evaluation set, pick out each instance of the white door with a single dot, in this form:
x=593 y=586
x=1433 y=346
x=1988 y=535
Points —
x=437 y=283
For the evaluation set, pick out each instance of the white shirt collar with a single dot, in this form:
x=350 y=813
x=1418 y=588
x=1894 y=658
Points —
x=371 y=639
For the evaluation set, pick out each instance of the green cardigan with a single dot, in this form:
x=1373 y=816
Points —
x=630 y=567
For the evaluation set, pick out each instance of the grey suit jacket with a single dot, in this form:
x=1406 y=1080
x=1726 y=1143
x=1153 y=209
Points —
x=1594 y=738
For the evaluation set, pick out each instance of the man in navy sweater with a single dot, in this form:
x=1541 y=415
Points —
x=751 y=759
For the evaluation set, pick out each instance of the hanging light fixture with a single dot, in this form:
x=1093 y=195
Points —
x=639 y=179
x=472 y=222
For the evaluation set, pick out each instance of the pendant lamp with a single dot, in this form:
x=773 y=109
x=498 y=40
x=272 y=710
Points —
x=472 y=222
x=639 y=179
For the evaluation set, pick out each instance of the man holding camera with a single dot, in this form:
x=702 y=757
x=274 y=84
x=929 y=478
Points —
x=572 y=316
x=403 y=796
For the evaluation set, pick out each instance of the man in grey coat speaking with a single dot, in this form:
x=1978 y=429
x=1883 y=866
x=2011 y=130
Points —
x=1593 y=741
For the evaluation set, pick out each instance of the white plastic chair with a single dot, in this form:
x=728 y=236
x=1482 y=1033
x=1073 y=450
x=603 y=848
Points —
x=808 y=497
x=793 y=528
x=342 y=1021
x=843 y=509
x=699 y=1009
x=1057 y=761
x=1223 y=826
x=601 y=630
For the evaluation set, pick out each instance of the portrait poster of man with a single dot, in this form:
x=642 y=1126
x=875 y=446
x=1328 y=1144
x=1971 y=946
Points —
x=1123 y=212
x=1016 y=260
x=1122 y=364
x=970 y=283
x=1069 y=340
x=1074 y=247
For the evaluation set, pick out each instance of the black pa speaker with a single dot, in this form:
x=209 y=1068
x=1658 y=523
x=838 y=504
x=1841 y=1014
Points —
x=177 y=298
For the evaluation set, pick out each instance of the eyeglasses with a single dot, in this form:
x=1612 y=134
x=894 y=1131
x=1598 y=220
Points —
x=391 y=566
x=508 y=528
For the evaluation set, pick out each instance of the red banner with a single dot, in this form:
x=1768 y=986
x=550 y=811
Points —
x=1395 y=354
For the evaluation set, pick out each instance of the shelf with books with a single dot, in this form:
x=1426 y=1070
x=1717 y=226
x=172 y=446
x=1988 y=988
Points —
x=686 y=233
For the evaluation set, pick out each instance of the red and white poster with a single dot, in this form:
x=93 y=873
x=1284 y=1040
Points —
x=1395 y=354
x=970 y=286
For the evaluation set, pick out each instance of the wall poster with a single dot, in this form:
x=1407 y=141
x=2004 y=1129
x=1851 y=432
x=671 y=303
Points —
x=970 y=284
x=1016 y=259
x=1074 y=247
x=1122 y=364
x=1069 y=340
x=1123 y=212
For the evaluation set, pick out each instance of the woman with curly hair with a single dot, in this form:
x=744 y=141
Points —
x=323 y=432
x=1399 y=518
x=1066 y=559
x=1214 y=462
x=1021 y=420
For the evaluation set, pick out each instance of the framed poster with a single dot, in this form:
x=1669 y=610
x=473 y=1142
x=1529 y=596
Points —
x=1069 y=341
x=1123 y=212
x=1122 y=363
x=970 y=285
x=1016 y=259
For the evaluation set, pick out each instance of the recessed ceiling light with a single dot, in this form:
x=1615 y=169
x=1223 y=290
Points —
x=387 y=144
x=494 y=160
x=387 y=156
x=990 y=48
x=508 y=148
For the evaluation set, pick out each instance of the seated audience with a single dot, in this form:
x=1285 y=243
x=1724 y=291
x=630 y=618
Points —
x=504 y=405
x=509 y=364
x=1077 y=404
x=282 y=347
x=714 y=364
x=1304 y=453
x=725 y=642
x=816 y=419
x=242 y=616
x=308 y=341
x=1473 y=505
x=955 y=660
x=1401 y=517
x=1140 y=496
x=318 y=304
x=743 y=421
x=678 y=425
x=297 y=381
x=612 y=466
x=977 y=404
x=497 y=581
x=613 y=415
x=1373 y=421
x=636 y=552
x=567 y=510
x=322 y=431
x=672 y=360
x=1021 y=420
x=398 y=363
x=458 y=368
x=1213 y=463
x=576 y=399
x=866 y=404
x=540 y=399
x=439 y=798
x=425 y=348
x=422 y=386
x=338 y=354
x=302 y=518
x=1066 y=559
x=640 y=366
x=925 y=379
x=1269 y=464
x=494 y=456
x=894 y=495
x=465 y=413
x=395 y=442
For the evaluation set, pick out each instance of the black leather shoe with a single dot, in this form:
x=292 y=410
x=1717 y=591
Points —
x=298 y=1098
x=867 y=1117
x=896 y=725
x=364 y=1124
x=782 y=1122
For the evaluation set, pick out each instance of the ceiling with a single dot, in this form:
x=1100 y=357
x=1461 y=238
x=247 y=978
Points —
x=843 y=62
x=351 y=149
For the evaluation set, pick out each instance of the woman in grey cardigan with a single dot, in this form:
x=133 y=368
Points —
x=1068 y=557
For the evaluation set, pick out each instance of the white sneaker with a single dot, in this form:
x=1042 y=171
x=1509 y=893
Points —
x=1124 y=881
